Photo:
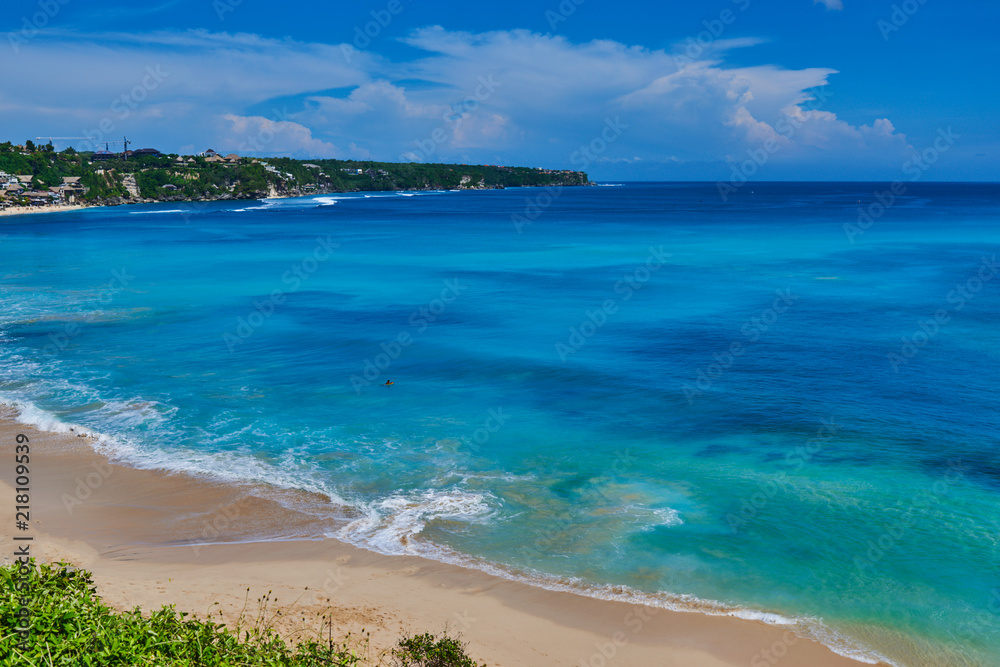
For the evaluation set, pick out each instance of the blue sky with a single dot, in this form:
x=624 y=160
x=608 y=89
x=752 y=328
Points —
x=707 y=90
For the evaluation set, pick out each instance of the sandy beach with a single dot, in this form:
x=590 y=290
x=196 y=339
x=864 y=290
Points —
x=30 y=210
x=152 y=538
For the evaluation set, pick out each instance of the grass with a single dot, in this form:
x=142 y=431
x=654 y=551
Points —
x=70 y=625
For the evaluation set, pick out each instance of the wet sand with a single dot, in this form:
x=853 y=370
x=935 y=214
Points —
x=153 y=538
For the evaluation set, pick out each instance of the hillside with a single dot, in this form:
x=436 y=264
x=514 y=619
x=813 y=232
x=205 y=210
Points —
x=86 y=178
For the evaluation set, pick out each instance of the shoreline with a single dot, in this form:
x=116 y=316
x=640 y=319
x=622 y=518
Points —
x=32 y=210
x=66 y=208
x=152 y=538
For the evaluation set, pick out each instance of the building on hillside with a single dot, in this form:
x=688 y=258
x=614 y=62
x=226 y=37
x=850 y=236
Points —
x=232 y=157
x=147 y=152
x=208 y=153
x=39 y=198
x=103 y=156
x=71 y=186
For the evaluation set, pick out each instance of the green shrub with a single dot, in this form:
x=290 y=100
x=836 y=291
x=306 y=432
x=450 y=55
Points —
x=69 y=625
x=426 y=650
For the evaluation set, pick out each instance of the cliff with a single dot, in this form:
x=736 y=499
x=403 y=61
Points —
x=182 y=178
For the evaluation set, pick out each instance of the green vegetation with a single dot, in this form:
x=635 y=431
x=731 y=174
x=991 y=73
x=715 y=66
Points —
x=69 y=625
x=48 y=169
x=426 y=650
x=166 y=178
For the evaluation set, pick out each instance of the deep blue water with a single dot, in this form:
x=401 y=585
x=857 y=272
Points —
x=646 y=393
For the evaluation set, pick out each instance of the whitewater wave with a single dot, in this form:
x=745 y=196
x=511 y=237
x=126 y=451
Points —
x=268 y=204
x=43 y=420
x=393 y=525
x=651 y=518
x=290 y=472
x=389 y=525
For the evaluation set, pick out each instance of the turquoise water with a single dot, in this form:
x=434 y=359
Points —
x=637 y=392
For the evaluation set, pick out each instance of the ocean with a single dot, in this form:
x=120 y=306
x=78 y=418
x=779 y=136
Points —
x=779 y=405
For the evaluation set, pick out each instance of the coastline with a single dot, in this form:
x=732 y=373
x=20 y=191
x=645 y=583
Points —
x=153 y=538
x=31 y=210
x=65 y=208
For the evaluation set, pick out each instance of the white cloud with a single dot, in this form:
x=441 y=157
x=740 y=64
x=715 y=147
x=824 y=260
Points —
x=830 y=4
x=381 y=98
x=259 y=135
x=515 y=96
